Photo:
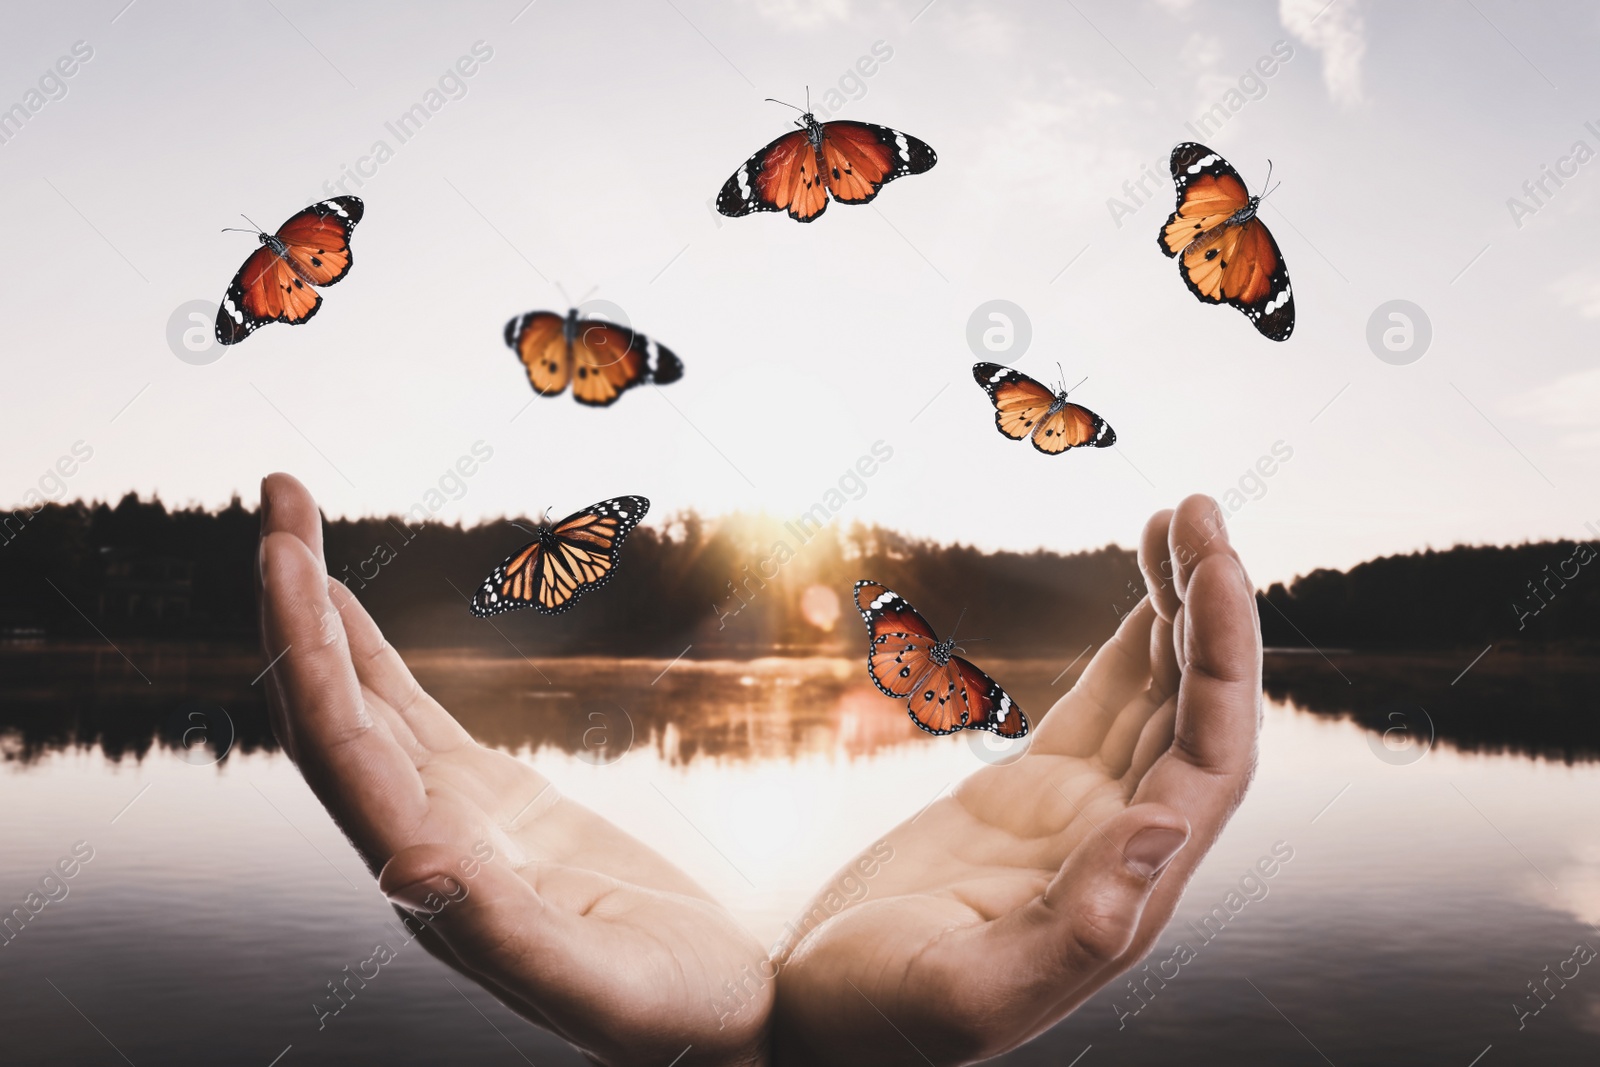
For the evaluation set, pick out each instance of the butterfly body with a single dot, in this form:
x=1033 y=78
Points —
x=278 y=281
x=564 y=560
x=1024 y=407
x=601 y=360
x=944 y=692
x=1225 y=253
x=796 y=173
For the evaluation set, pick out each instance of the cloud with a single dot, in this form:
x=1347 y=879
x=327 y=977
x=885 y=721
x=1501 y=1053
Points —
x=1337 y=30
x=1580 y=290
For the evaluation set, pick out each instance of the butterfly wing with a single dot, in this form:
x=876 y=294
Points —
x=900 y=641
x=862 y=158
x=511 y=585
x=266 y=289
x=540 y=341
x=1070 y=426
x=665 y=366
x=1019 y=401
x=1209 y=192
x=783 y=176
x=607 y=361
x=1220 y=263
x=583 y=555
x=317 y=240
x=986 y=705
x=1241 y=265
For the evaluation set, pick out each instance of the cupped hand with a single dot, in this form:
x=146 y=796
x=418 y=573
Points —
x=572 y=923
x=1008 y=903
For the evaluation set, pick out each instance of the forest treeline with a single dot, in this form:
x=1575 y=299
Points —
x=741 y=585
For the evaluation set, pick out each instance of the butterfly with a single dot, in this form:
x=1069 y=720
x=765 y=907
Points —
x=275 y=283
x=1225 y=253
x=944 y=692
x=795 y=173
x=601 y=359
x=1023 y=406
x=565 y=560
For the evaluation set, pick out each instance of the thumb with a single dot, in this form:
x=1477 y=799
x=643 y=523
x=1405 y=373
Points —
x=491 y=918
x=1091 y=911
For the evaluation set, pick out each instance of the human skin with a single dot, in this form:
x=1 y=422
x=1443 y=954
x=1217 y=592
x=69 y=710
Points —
x=1007 y=903
x=1015 y=898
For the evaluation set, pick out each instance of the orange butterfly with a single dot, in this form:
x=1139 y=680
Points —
x=1225 y=253
x=1023 y=406
x=275 y=283
x=601 y=359
x=795 y=173
x=565 y=560
x=943 y=692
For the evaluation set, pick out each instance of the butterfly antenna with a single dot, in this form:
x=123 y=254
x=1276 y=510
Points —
x=563 y=291
x=785 y=103
x=1080 y=382
x=1268 y=183
x=524 y=529
x=587 y=295
x=957 y=626
x=236 y=229
x=808 y=99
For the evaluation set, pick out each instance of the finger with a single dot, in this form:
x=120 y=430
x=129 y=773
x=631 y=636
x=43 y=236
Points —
x=1154 y=740
x=1088 y=916
x=1205 y=770
x=1198 y=531
x=1165 y=673
x=287 y=506
x=1077 y=724
x=1155 y=563
x=284 y=505
x=380 y=668
x=1125 y=735
x=518 y=937
x=364 y=779
x=275 y=715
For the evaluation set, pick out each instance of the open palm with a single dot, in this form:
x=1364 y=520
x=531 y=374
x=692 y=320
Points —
x=570 y=921
x=1008 y=903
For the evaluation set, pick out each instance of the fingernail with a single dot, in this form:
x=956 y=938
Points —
x=1152 y=849
x=428 y=895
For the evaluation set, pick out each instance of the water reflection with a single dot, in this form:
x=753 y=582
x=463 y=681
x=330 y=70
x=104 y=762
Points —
x=204 y=700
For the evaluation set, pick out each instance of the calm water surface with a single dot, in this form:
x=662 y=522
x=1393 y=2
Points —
x=1421 y=897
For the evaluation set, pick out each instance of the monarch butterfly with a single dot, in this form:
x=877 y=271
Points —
x=601 y=359
x=944 y=692
x=1225 y=253
x=796 y=172
x=275 y=283
x=1023 y=406
x=565 y=560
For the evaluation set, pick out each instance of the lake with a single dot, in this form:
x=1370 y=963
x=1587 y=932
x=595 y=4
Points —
x=1428 y=885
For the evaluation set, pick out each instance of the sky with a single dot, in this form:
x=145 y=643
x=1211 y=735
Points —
x=585 y=149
